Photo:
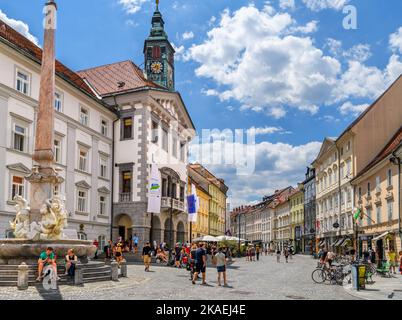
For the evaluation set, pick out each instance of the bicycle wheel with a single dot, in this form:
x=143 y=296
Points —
x=318 y=276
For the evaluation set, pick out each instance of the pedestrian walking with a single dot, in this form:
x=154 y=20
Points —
x=200 y=263
x=400 y=262
x=147 y=256
x=96 y=244
x=257 y=251
x=392 y=260
x=278 y=256
x=220 y=261
x=291 y=253
x=286 y=254
x=135 y=244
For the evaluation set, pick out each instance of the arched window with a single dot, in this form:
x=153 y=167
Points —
x=102 y=242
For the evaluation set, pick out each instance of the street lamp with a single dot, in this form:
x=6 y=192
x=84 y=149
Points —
x=171 y=229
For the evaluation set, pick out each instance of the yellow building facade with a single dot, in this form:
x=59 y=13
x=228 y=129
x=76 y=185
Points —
x=296 y=201
x=200 y=228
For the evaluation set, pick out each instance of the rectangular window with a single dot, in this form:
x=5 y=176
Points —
x=378 y=214
x=56 y=190
x=165 y=137
x=182 y=151
x=368 y=217
x=20 y=134
x=390 y=210
x=155 y=128
x=349 y=196
x=22 y=83
x=18 y=186
x=368 y=189
x=57 y=151
x=341 y=152
x=102 y=205
x=360 y=193
x=104 y=127
x=348 y=168
x=342 y=171
x=57 y=101
x=174 y=147
x=348 y=146
x=84 y=116
x=126 y=175
x=103 y=167
x=127 y=128
x=377 y=184
x=389 y=177
x=82 y=201
x=82 y=163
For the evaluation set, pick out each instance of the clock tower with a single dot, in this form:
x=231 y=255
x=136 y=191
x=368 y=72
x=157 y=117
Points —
x=159 y=53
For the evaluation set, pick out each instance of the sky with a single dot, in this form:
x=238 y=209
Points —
x=289 y=69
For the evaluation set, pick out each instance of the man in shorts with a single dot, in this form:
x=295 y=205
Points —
x=46 y=258
x=220 y=259
x=146 y=256
x=200 y=263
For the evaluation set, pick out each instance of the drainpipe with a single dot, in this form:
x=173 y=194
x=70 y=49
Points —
x=112 y=178
x=399 y=194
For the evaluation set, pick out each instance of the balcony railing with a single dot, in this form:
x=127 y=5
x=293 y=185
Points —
x=176 y=205
x=125 y=197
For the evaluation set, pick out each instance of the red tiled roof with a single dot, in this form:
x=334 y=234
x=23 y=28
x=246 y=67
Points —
x=32 y=51
x=116 y=78
x=391 y=146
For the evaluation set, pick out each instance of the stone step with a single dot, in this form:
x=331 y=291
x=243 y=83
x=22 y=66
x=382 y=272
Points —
x=95 y=274
x=8 y=283
x=96 y=279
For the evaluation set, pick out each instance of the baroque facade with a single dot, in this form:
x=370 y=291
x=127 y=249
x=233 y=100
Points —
x=309 y=212
x=83 y=138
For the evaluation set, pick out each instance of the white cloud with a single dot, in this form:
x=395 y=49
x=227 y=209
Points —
x=268 y=130
x=359 y=52
x=132 y=6
x=349 y=108
x=284 y=4
x=252 y=54
x=180 y=54
x=310 y=27
x=19 y=26
x=188 y=35
x=396 y=40
x=318 y=5
x=278 y=165
x=131 y=23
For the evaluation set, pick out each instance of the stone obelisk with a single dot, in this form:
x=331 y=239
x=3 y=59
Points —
x=44 y=176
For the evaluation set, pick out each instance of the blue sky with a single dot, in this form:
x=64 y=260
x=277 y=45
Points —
x=286 y=67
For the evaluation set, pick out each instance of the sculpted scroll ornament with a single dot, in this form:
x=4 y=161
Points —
x=53 y=220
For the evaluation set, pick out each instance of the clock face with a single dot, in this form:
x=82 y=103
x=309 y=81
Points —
x=156 y=67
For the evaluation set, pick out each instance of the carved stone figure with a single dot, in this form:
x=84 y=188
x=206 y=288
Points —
x=53 y=220
x=20 y=225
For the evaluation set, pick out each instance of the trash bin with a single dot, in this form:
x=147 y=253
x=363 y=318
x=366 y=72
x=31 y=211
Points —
x=358 y=276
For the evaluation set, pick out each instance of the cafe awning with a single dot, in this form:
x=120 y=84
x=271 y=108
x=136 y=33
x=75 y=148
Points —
x=381 y=236
x=338 y=243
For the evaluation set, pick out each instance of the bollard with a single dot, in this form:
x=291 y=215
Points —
x=23 y=272
x=115 y=271
x=123 y=268
x=78 y=277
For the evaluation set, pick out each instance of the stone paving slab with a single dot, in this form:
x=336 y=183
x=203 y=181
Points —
x=262 y=280
x=382 y=289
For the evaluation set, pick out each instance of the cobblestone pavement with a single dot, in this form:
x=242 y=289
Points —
x=382 y=288
x=265 y=279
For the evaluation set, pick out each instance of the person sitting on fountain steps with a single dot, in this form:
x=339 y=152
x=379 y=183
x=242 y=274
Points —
x=46 y=258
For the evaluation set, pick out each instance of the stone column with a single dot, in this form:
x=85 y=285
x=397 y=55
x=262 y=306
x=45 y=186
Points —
x=44 y=177
x=78 y=276
x=115 y=271
x=23 y=273
x=123 y=268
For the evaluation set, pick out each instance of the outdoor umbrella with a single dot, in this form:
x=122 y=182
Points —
x=207 y=239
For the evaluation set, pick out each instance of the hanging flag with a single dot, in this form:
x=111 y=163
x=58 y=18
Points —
x=192 y=204
x=154 y=191
x=356 y=214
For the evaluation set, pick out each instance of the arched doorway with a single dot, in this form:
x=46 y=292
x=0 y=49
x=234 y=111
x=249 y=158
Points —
x=180 y=232
x=124 y=225
x=156 y=230
x=166 y=233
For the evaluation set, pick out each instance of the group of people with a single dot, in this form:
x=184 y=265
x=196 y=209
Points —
x=287 y=252
x=253 y=253
x=48 y=258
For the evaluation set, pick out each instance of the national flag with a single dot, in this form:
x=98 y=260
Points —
x=357 y=214
x=192 y=204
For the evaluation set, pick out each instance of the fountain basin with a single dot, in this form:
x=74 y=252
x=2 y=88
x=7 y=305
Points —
x=16 y=251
